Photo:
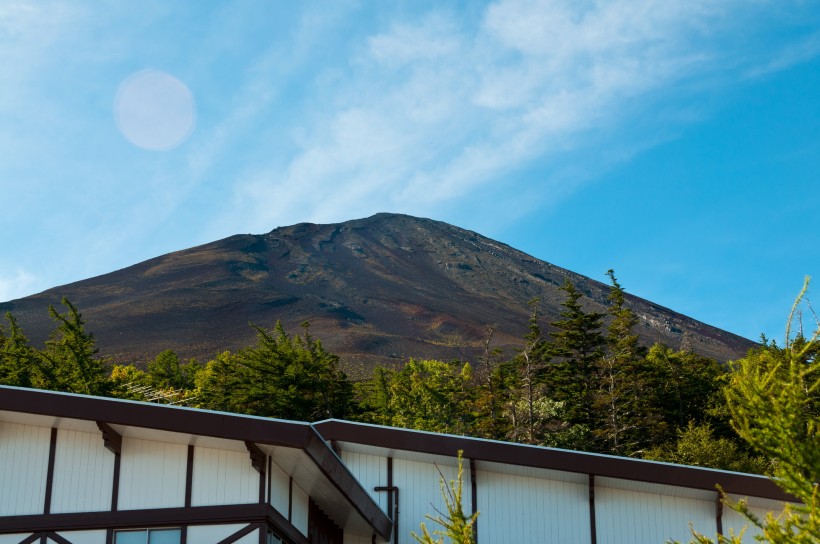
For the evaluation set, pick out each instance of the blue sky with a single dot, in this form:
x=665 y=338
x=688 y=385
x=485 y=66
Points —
x=677 y=142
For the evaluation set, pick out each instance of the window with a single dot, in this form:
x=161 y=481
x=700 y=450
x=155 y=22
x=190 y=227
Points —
x=273 y=539
x=147 y=536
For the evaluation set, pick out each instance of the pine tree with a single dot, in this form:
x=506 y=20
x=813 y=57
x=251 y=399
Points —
x=577 y=345
x=18 y=360
x=70 y=362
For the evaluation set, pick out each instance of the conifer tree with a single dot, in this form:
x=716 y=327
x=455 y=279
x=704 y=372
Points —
x=577 y=344
x=18 y=360
x=70 y=362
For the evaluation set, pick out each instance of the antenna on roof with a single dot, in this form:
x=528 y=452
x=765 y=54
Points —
x=160 y=396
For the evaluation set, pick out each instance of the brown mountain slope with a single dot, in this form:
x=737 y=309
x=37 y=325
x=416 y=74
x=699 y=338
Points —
x=379 y=289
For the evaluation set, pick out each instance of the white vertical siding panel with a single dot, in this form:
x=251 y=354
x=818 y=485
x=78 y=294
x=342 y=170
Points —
x=516 y=508
x=279 y=489
x=83 y=537
x=371 y=471
x=420 y=493
x=13 y=539
x=223 y=477
x=637 y=517
x=23 y=468
x=83 y=473
x=211 y=534
x=152 y=474
x=299 y=517
x=250 y=538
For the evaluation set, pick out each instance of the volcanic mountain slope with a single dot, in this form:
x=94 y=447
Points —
x=375 y=290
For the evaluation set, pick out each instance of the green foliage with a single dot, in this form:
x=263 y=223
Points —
x=696 y=445
x=18 y=361
x=70 y=362
x=284 y=377
x=167 y=372
x=457 y=527
x=426 y=395
x=774 y=400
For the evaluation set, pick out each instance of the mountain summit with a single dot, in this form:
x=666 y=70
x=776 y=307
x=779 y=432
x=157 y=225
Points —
x=375 y=290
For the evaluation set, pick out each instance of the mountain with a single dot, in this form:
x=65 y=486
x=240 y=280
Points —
x=375 y=290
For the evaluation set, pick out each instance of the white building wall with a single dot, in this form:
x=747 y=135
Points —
x=644 y=517
x=23 y=468
x=419 y=492
x=152 y=474
x=371 y=471
x=13 y=539
x=211 y=534
x=279 y=489
x=223 y=477
x=759 y=507
x=300 y=509
x=83 y=473
x=515 y=508
x=83 y=537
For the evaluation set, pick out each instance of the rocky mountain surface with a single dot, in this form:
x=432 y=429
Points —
x=375 y=290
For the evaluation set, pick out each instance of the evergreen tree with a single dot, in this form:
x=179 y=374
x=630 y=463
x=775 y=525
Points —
x=18 y=360
x=624 y=411
x=70 y=362
x=576 y=346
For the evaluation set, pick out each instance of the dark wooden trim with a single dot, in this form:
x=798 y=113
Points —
x=115 y=484
x=112 y=440
x=263 y=534
x=290 y=499
x=474 y=497
x=390 y=508
x=593 y=532
x=259 y=463
x=57 y=538
x=109 y=536
x=31 y=538
x=283 y=527
x=554 y=459
x=270 y=480
x=189 y=475
x=239 y=534
x=52 y=451
x=344 y=481
x=719 y=513
x=183 y=534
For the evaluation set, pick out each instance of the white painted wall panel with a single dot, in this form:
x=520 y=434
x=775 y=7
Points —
x=211 y=534
x=300 y=509
x=635 y=517
x=83 y=473
x=223 y=477
x=152 y=474
x=371 y=471
x=759 y=507
x=279 y=489
x=514 y=508
x=23 y=468
x=420 y=494
x=250 y=538
x=83 y=537
x=13 y=539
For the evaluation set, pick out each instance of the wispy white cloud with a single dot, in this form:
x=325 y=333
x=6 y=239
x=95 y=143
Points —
x=16 y=284
x=435 y=107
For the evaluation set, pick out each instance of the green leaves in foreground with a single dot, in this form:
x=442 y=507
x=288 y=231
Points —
x=457 y=526
x=774 y=400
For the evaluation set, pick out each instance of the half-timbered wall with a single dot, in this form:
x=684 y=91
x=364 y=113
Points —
x=526 y=506
x=23 y=468
x=152 y=474
x=223 y=477
x=83 y=473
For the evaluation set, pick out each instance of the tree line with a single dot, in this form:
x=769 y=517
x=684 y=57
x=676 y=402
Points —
x=587 y=385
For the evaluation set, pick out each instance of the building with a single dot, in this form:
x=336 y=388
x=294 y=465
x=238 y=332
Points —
x=84 y=470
